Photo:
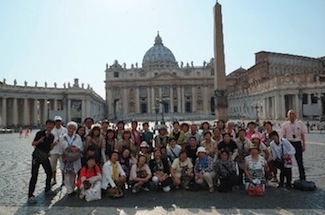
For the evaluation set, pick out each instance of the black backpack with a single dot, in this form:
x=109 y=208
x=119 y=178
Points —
x=304 y=185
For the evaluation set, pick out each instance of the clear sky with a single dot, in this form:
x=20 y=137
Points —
x=57 y=41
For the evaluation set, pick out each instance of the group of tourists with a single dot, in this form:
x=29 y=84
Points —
x=105 y=159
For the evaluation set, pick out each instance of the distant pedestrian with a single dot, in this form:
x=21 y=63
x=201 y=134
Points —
x=294 y=130
x=43 y=144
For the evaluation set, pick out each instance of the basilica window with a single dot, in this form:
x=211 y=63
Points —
x=143 y=92
x=116 y=74
x=165 y=91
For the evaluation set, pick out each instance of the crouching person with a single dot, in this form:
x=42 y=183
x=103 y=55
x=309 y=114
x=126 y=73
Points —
x=226 y=171
x=140 y=175
x=203 y=169
x=182 y=170
x=114 y=178
x=161 y=171
x=89 y=181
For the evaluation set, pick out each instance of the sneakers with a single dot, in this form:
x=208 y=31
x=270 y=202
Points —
x=211 y=189
x=32 y=200
x=136 y=188
x=145 y=189
x=50 y=193
x=274 y=180
x=280 y=185
x=53 y=183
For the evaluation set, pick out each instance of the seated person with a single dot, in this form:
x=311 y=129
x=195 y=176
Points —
x=114 y=177
x=255 y=167
x=160 y=170
x=140 y=175
x=126 y=161
x=226 y=171
x=89 y=177
x=203 y=169
x=182 y=170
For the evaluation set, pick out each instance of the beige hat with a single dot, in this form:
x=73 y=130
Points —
x=200 y=149
x=256 y=136
x=144 y=144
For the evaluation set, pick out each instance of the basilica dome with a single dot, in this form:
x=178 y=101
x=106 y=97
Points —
x=159 y=56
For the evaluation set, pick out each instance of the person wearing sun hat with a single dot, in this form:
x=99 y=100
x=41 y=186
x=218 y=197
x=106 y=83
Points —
x=144 y=150
x=257 y=140
x=204 y=169
x=255 y=166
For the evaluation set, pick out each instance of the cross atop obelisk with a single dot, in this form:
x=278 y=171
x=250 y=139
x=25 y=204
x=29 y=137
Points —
x=220 y=86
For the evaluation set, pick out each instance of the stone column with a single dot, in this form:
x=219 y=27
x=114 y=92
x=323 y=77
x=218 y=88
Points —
x=45 y=111
x=125 y=101
x=83 y=110
x=179 y=102
x=35 y=115
x=137 y=100
x=15 y=112
x=153 y=100
x=194 y=99
x=4 y=111
x=55 y=104
x=279 y=105
x=298 y=106
x=149 y=101
x=171 y=99
x=205 y=100
x=89 y=108
x=69 y=111
x=308 y=98
x=25 y=115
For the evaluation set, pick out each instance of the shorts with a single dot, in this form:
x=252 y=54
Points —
x=54 y=161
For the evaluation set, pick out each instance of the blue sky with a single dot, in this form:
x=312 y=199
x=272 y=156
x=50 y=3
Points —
x=57 y=41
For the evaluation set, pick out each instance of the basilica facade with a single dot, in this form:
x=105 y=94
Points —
x=161 y=85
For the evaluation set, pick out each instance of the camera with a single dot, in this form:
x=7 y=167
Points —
x=294 y=136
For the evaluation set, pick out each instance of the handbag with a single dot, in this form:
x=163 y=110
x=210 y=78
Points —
x=92 y=194
x=40 y=155
x=255 y=190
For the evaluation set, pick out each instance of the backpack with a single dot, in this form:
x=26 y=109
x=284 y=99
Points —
x=304 y=185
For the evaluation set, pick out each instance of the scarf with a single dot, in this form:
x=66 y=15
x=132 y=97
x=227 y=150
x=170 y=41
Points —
x=203 y=162
x=115 y=172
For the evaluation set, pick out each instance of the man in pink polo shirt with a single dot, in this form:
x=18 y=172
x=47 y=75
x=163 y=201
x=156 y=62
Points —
x=294 y=130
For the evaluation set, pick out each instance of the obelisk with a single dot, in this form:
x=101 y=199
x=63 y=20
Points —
x=220 y=85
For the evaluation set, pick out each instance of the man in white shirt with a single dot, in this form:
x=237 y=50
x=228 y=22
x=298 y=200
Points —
x=294 y=130
x=57 y=131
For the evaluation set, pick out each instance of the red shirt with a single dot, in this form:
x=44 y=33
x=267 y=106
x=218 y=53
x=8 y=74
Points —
x=88 y=173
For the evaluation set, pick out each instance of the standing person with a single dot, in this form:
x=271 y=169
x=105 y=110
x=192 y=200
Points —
x=94 y=138
x=161 y=140
x=119 y=130
x=43 y=142
x=135 y=135
x=252 y=130
x=173 y=150
x=88 y=123
x=243 y=144
x=194 y=132
x=71 y=150
x=178 y=134
x=229 y=145
x=268 y=126
x=57 y=131
x=191 y=149
x=217 y=135
x=147 y=135
x=104 y=126
x=109 y=143
x=294 y=130
x=283 y=150
x=210 y=145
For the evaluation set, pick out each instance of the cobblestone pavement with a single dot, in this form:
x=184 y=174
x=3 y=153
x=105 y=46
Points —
x=15 y=165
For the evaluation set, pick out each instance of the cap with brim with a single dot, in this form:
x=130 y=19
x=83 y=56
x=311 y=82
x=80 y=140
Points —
x=144 y=144
x=57 y=118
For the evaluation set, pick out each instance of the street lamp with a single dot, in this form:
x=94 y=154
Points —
x=163 y=102
x=256 y=111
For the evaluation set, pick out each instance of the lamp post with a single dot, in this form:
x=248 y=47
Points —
x=163 y=102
